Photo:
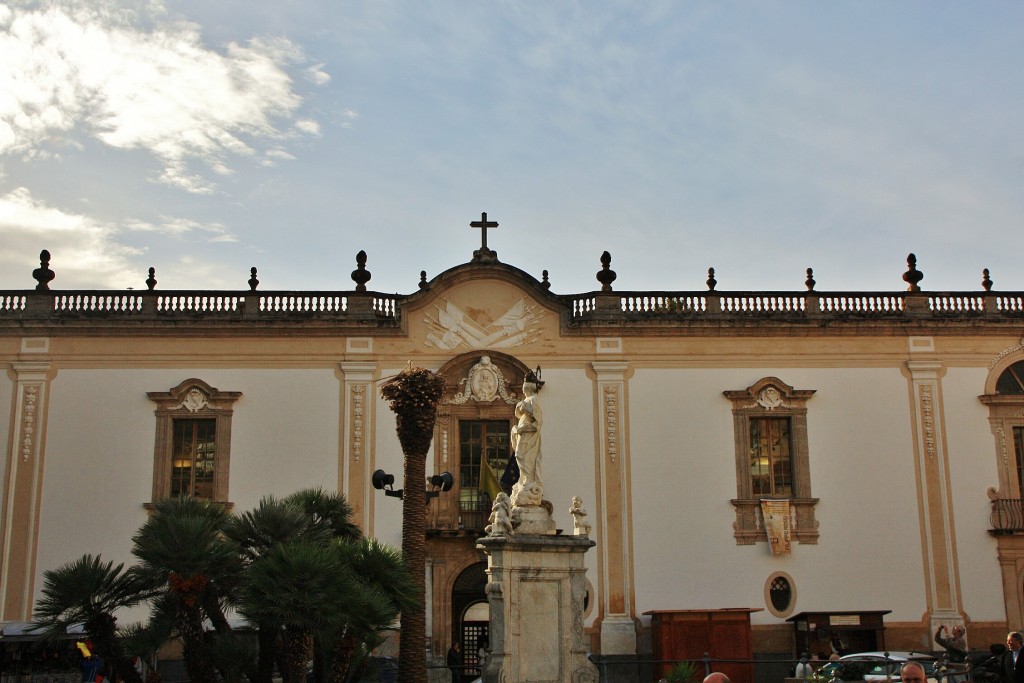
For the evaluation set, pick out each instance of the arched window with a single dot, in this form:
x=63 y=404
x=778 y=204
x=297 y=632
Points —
x=1011 y=381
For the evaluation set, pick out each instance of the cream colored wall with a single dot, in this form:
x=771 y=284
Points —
x=387 y=526
x=684 y=475
x=973 y=469
x=99 y=454
x=6 y=398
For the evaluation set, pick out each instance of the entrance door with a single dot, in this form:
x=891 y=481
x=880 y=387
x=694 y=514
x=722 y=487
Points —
x=475 y=625
x=470 y=613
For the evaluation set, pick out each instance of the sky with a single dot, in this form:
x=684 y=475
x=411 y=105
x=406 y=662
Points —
x=758 y=138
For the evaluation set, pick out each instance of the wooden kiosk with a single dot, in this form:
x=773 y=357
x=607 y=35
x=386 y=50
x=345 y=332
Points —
x=723 y=634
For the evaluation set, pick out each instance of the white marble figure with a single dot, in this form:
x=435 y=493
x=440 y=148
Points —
x=580 y=525
x=529 y=490
x=500 y=519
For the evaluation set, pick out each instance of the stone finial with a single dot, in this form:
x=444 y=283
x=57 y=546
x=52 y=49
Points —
x=913 y=275
x=423 y=279
x=711 y=280
x=151 y=280
x=544 y=280
x=361 y=275
x=254 y=282
x=43 y=274
x=606 y=276
x=986 y=281
x=809 y=282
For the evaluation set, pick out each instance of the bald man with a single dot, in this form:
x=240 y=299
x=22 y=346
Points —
x=716 y=677
x=912 y=672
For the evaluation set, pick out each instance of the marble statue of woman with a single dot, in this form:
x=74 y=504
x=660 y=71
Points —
x=526 y=444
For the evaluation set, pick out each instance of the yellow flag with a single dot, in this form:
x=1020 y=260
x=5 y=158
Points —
x=488 y=480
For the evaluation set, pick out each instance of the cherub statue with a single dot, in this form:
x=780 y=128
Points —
x=500 y=519
x=580 y=526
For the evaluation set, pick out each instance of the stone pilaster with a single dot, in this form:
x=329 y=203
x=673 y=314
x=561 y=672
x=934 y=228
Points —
x=616 y=619
x=356 y=448
x=938 y=536
x=23 y=484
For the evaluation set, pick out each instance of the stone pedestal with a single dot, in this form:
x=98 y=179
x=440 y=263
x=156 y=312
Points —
x=536 y=588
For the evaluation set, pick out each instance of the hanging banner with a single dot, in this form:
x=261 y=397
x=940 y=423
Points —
x=777 y=525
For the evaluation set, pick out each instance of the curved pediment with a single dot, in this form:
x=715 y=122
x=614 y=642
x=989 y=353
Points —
x=476 y=307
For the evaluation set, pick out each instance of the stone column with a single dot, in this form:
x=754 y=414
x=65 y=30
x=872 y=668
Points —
x=356 y=448
x=23 y=485
x=536 y=589
x=616 y=619
x=942 y=580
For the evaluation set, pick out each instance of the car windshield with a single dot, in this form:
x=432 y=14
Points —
x=872 y=668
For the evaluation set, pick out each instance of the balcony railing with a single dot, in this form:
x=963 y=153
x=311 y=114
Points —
x=1007 y=515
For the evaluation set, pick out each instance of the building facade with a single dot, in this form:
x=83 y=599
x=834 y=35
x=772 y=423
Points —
x=881 y=435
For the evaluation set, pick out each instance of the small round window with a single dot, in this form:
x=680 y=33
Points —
x=780 y=594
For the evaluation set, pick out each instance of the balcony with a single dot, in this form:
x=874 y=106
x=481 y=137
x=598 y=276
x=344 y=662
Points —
x=1007 y=516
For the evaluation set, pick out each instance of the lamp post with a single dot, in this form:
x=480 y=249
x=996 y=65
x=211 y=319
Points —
x=382 y=481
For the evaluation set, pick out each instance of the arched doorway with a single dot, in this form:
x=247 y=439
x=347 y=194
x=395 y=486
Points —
x=470 y=614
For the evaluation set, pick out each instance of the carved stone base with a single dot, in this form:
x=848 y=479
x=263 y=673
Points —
x=536 y=588
x=533 y=520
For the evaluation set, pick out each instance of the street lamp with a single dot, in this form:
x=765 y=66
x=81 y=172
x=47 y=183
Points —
x=382 y=481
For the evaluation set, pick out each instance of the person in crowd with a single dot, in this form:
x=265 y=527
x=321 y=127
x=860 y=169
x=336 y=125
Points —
x=955 y=643
x=803 y=669
x=913 y=672
x=716 y=677
x=1013 y=668
x=454 y=662
x=482 y=647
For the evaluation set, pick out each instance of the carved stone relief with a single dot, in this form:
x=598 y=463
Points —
x=452 y=328
x=28 y=420
x=483 y=383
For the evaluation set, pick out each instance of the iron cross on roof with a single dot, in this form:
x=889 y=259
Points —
x=484 y=254
x=483 y=223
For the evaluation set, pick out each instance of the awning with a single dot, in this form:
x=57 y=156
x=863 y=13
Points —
x=24 y=631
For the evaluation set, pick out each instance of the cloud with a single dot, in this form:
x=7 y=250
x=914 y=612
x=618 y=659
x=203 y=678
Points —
x=179 y=227
x=82 y=66
x=84 y=252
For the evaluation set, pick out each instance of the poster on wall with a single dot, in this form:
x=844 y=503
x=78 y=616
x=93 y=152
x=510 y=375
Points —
x=777 y=525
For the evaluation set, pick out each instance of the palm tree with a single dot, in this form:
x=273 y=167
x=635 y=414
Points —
x=304 y=588
x=389 y=589
x=256 y=532
x=312 y=515
x=182 y=550
x=327 y=511
x=413 y=395
x=89 y=591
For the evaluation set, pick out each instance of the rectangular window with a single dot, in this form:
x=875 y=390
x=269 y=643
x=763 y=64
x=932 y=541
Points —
x=1018 y=449
x=484 y=450
x=193 y=458
x=771 y=462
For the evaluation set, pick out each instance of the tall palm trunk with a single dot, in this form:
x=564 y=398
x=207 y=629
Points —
x=413 y=395
x=295 y=646
x=411 y=655
x=197 y=652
